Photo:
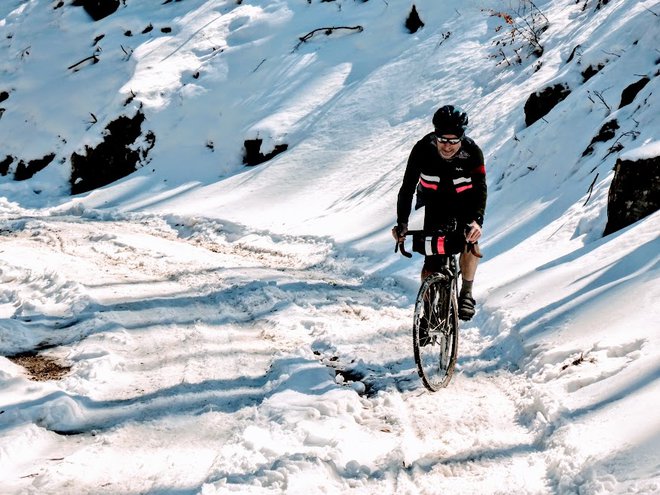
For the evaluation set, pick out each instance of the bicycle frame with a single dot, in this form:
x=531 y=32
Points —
x=435 y=322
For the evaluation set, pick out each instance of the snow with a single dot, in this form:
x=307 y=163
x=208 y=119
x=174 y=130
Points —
x=649 y=150
x=237 y=329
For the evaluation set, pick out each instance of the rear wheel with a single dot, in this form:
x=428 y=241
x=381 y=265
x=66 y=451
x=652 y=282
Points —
x=435 y=331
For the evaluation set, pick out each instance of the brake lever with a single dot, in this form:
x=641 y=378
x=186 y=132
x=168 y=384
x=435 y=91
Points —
x=402 y=247
x=473 y=247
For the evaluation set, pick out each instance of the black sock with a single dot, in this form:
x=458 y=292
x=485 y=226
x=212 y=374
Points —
x=466 y=287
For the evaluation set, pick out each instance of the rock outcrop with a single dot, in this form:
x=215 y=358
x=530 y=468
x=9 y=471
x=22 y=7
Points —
x=635 y=189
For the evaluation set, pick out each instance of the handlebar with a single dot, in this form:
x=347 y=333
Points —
x=400 y=246
x=472 y=247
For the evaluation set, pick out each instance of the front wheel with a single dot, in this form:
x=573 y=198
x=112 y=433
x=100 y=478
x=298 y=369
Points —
x=435 y=331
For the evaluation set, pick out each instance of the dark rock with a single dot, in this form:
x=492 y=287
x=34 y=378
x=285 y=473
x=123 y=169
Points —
x=634 y=192
x=253 y=154
x=629 y=94
x=98 y=9
x=26 y=171
x=114 y=158
x=4 y=165
x=3 y=96
x=573 y=52
x=539 y=104
x=413 y=22
x=607 y=132
x=591 y=71
x=150 y=139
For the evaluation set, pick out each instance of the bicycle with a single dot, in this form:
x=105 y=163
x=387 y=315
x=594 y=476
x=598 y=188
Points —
x=435 y=321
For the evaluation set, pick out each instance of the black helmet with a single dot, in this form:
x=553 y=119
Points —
x=450 y=120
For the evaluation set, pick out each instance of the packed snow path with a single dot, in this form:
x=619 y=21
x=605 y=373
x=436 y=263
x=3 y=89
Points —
x=205 y=359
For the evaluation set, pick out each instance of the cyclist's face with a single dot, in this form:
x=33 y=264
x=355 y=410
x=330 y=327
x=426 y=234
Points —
x=447 y=150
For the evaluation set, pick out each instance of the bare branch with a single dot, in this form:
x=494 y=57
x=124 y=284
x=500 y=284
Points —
x=539 y=11
x=92 y=122
x=591 y=188
x=444 y=38
x=599 y=95
x=257 y=67
x=617 y=146
x=613 y=54
x=94 y=59
x=327 y=31
x=127 y=53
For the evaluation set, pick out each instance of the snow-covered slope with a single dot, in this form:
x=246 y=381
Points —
x=246 y=329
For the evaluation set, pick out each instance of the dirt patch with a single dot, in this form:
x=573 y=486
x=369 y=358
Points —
x=40 y=368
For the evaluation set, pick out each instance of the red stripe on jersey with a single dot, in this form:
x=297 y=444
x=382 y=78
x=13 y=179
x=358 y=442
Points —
x=428 y=185
x=481 y=169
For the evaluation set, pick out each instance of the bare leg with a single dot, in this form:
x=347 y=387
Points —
x=468 y=263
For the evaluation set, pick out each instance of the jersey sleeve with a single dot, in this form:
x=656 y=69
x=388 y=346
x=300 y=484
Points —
x=480 y=190
x=408 y=186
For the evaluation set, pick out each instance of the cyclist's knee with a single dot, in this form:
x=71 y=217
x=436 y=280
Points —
x=425 y=274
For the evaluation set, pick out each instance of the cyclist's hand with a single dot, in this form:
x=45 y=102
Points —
x=399 y=232
x=473 y=233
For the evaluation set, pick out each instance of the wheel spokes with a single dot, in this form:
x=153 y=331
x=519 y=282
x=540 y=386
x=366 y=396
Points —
x=435 y=331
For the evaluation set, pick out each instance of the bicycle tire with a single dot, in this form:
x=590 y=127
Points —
x=435 y=351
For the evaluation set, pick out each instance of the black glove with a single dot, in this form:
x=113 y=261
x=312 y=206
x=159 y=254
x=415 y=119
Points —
x=399 y=232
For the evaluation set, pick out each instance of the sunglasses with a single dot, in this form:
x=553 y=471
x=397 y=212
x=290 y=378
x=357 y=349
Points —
x=445 y=140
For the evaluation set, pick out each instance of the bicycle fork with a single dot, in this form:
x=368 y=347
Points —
x=437 y=312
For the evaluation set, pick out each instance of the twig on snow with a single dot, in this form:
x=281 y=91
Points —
x=591 y=189
x=327 y=31
x=94 y=59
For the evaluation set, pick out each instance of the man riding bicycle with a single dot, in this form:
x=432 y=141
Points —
x=446 y=169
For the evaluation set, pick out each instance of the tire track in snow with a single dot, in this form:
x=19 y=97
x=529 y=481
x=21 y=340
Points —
x=196 y=321
x=471 y=431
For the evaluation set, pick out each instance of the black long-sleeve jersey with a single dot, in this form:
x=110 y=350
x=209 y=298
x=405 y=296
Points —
x=450 y=190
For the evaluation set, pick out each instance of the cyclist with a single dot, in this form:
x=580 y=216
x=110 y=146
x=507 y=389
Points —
x=446 y=169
